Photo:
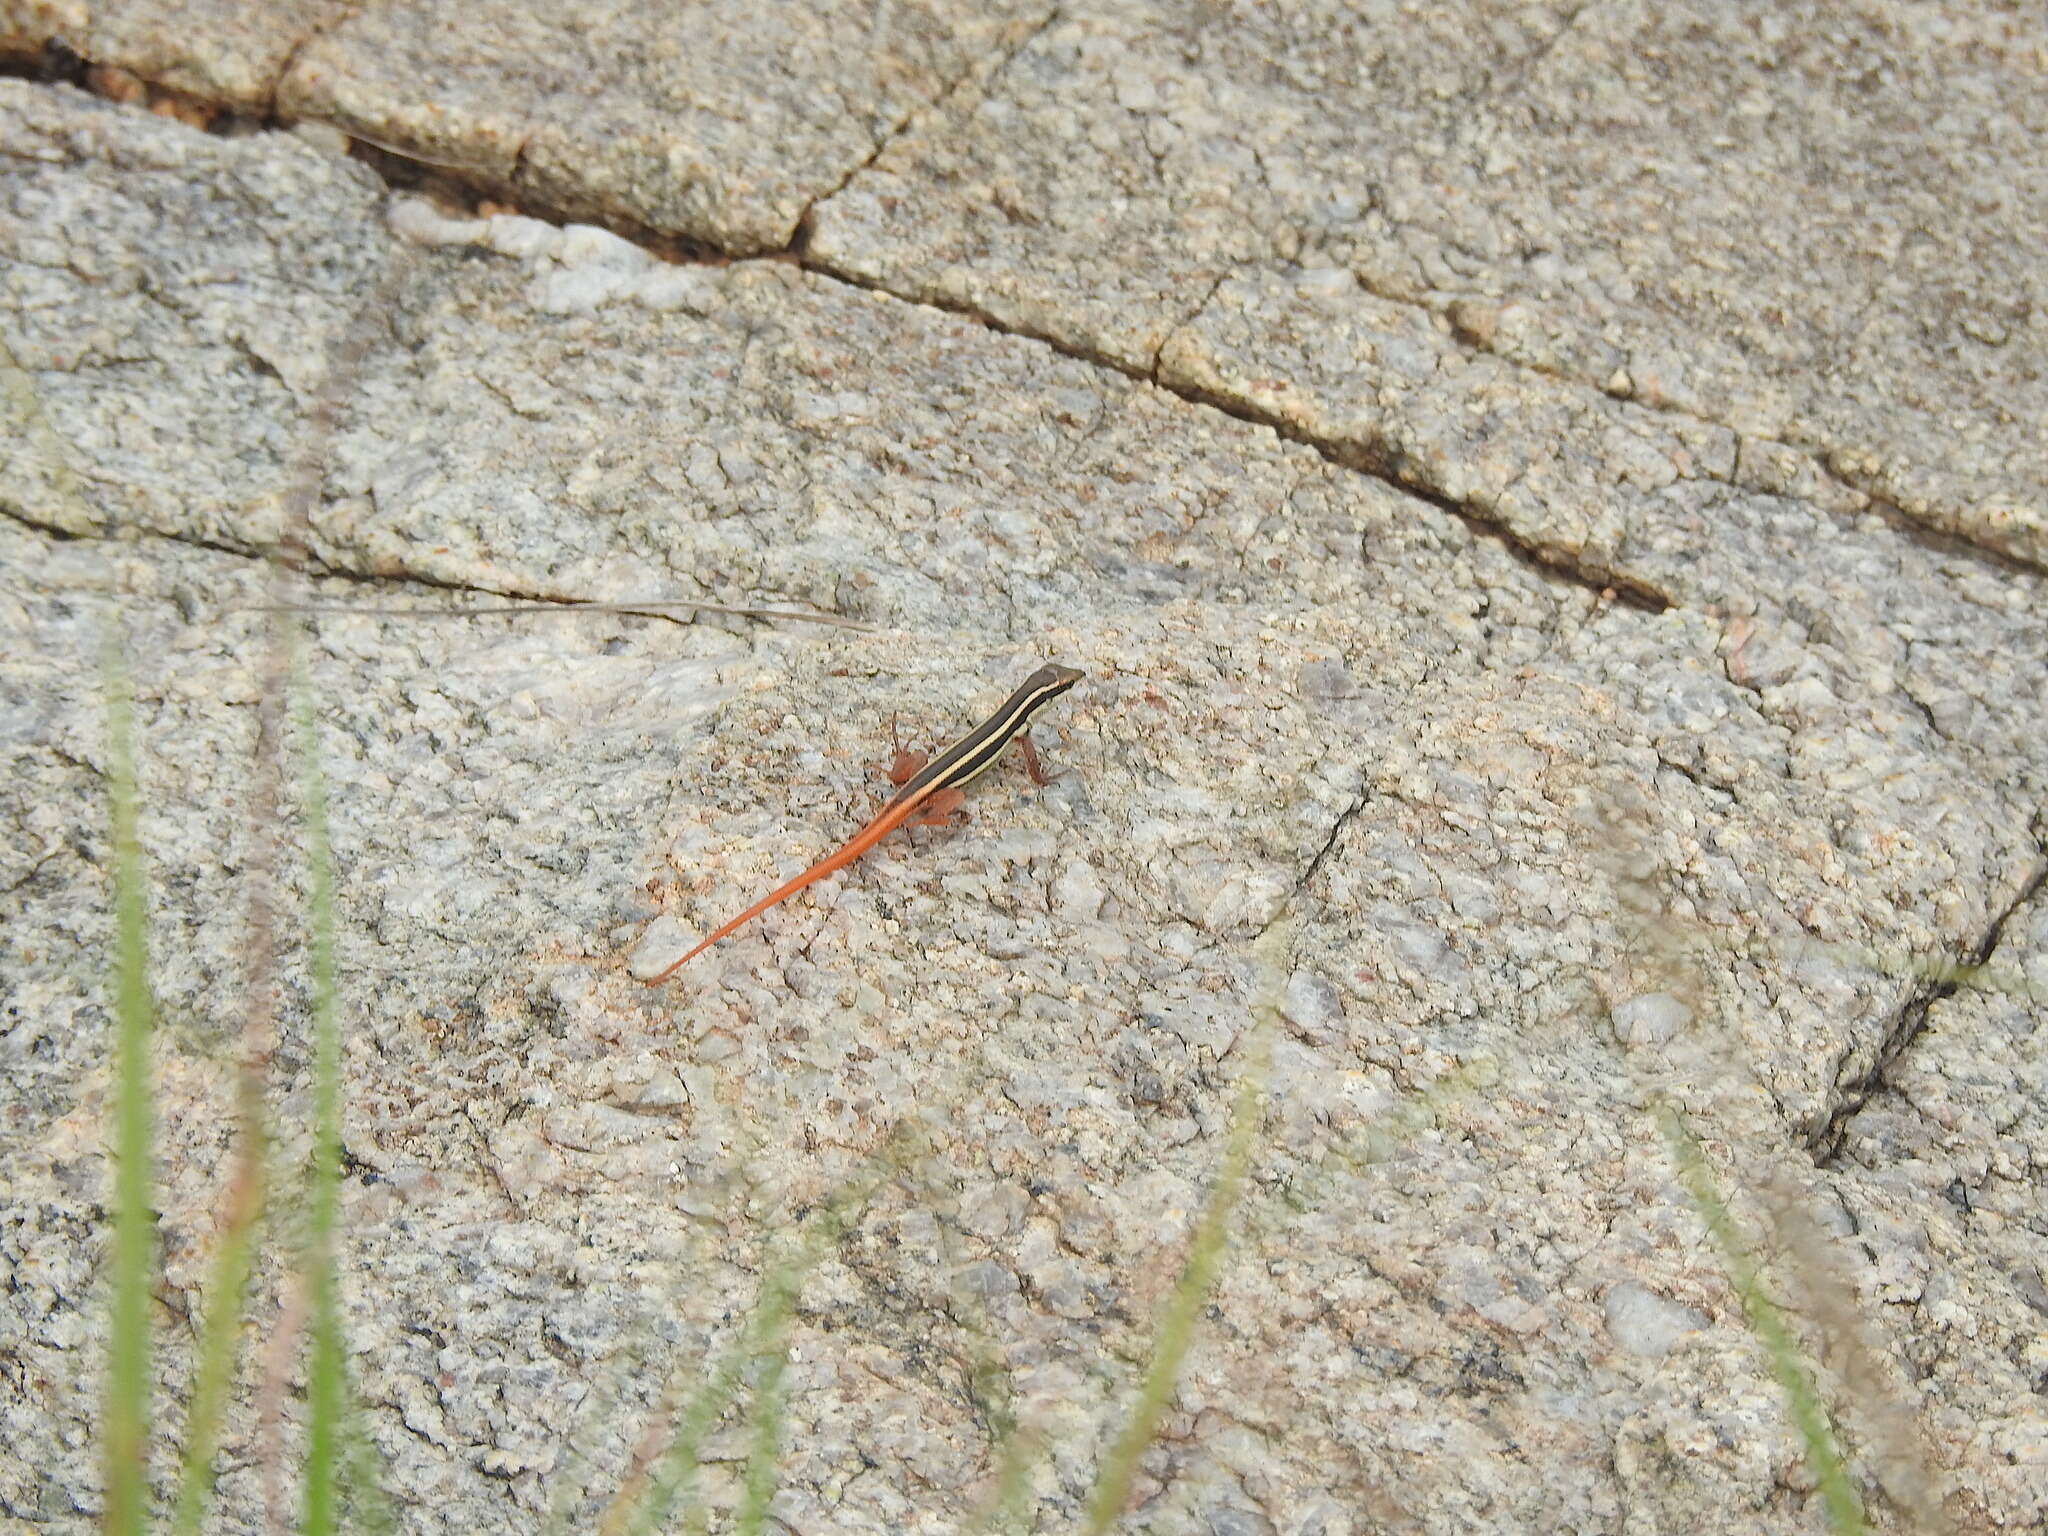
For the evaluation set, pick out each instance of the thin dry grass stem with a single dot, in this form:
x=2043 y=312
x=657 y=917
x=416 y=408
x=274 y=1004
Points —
x=645 y=1504
x=1672 y=956
x=647 y=1452
x=1767 y=1320
x=220 y=1336
x=482 y=170
x=648 y=608
x=766 y=1346
x=1903 y=1463
x=272 y=1385
x=249 y=1183
x=1208 y=1245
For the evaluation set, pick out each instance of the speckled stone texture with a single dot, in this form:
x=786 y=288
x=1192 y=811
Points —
x=708 y=121
x=1814 y=224
x=228 y=53
x=1602 y=745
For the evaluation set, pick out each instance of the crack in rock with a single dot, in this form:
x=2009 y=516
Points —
x=1825 y=1142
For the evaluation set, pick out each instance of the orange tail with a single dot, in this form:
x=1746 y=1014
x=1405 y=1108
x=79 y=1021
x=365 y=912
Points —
x=893 y=815
x=811 y=876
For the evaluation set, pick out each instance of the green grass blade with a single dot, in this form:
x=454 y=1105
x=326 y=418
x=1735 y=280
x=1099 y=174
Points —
x=1175 y=1331
x=368 y=1505
x=1018 y=1453
x=764 y=1453
x=677 y=1468
x=1017 y=1448
x=42 y=482
x=1795 y=1379
x=766 y=1340
x=227 y=1297
x=125 y=1419
x=640 y=1508
x=326 y=1374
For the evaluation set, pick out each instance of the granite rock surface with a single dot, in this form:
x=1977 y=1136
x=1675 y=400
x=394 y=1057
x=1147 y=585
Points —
x=1564 y=621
